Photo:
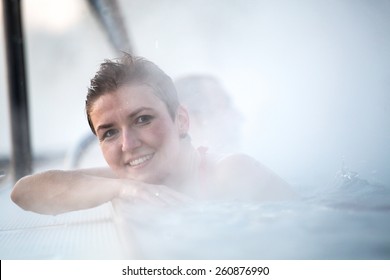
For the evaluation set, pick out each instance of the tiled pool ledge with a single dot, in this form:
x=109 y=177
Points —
x=86 y=234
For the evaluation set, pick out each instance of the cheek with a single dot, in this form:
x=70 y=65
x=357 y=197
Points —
x=163 y=132
x=110 y=154
x=162 y=135
x=169 y=145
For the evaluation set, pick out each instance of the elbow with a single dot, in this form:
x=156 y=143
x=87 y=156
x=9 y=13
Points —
x=19 y=194
x=29 y=195
x=15 y=195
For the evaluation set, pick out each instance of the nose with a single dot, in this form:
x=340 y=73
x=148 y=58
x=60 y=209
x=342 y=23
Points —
x=130 y=141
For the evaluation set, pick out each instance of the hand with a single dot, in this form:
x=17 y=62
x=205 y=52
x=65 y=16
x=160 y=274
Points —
x=158 y=195
x=138 y=200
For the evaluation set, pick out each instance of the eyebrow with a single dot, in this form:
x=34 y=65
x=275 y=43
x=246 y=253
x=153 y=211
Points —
x=104 y=126
x=139 y=110
x=132 y=115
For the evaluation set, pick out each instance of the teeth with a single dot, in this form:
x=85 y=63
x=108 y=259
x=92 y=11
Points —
x=140 y=160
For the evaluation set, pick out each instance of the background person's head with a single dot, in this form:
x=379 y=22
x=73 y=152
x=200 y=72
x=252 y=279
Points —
x=215 y=121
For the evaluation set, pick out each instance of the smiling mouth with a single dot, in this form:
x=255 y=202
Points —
x=140 y=161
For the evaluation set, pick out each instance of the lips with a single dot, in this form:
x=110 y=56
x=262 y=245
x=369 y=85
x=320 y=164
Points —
x=140 y=161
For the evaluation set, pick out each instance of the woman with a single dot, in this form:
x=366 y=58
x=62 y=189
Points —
x=133 y=109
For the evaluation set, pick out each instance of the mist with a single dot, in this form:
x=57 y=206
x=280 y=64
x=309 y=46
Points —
x=310 y=78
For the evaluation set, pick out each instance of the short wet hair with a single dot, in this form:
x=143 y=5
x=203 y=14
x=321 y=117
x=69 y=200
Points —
x=130 y=70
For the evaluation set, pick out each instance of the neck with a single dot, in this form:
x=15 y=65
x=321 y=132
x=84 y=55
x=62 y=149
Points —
x=186 y=175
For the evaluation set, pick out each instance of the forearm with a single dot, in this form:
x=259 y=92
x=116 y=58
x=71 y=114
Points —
x=55 y=192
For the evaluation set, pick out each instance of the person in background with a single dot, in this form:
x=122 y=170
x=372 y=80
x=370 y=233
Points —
x=133 y=109
x=215 y=121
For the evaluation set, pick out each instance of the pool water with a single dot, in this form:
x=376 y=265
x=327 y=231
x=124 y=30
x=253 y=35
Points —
x=348 y=220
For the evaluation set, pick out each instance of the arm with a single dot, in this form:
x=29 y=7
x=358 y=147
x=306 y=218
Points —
x=55 y=191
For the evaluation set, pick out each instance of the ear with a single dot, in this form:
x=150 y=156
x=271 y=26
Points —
x=182 y=120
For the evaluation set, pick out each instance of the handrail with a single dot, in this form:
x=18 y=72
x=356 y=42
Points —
x=21 y=162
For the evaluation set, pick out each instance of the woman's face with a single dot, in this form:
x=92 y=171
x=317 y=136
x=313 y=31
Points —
x=138 y=137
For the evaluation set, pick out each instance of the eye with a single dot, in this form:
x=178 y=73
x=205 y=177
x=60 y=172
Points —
x=144 y=120
x=108 y=134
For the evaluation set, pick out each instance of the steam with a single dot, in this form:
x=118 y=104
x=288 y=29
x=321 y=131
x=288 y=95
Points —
x=310 y=81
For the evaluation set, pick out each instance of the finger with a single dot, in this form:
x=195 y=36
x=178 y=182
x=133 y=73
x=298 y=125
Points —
x=169 y=196
x=138 y=192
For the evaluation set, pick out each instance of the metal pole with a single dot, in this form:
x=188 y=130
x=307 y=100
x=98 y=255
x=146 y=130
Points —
x=109 y=15
x=17 y=88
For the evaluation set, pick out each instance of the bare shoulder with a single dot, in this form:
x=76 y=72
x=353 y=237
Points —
x=238 y=165
x=238 y=162
x=242 y=176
